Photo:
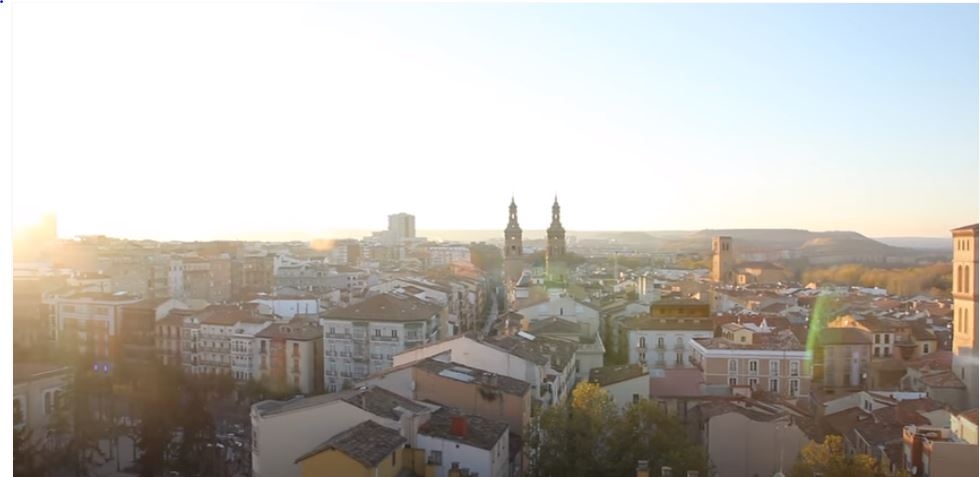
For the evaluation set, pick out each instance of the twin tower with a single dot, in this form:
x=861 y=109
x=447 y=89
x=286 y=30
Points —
x=555 y=268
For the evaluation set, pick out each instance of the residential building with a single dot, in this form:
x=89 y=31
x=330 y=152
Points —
x=287 y=307
x=472 y=391
x=560 y=304
x=365 y=450
x=754 y=357
x=290 y=354
x=169 y=346
x=252 y=274
x=137 y=333
x=547 y=364
x=454 y=439
x=244 y=354
x=445 y=255
x=626 y=384
x=966 y=309
x=663 y=338
x=363 y=338
x=937 y=451
x=401 y=226
x=38 y=390
x=88 y=323
x=282 y=431
x=841 y=358
x=964 y=426
x=743 y=440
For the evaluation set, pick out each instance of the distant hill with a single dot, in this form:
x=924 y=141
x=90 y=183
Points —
x=925 y=243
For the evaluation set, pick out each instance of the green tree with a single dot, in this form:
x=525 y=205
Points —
x=830 y=459
x=588 y=436
x=197 y=433
x=157 y=401
x=76 y=428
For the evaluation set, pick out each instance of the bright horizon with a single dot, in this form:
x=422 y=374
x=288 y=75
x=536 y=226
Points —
x=248 y=121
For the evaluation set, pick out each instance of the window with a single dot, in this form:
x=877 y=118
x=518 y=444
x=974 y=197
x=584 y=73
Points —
x=733 y=381
x=877 y=338
x=660 y=342
x=333 y=330
x=643 y=358
x=794 y=368
x=377 y=333
x=773 y=367
x=680 y=359
x=643 y=342
x=394 y=333
x=753 y=383
x=636 y=398
x=888 y=339
x=435 y=457
x=733 y=366
x=794 y=387
x=925 y=348
x=295 y=349
x=774 y=385
x=877 y=351
x=753 y=367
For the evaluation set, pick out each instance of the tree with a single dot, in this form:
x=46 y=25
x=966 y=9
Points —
x=76 y=429
x=156 y=405
x=830 y=459
x=25 y=453
x=197 y=433
x=588 y=436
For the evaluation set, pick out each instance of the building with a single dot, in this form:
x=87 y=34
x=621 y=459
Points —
x=841 y=359
x=753 y=357
x=365 y=450
x=513 y=247
x=626 y=384
x=937 y=451
x=362 y=339
x=722 y=260
x=38 y=389
x=244 y=354
x=88 y=324
x=746 y=440
x=283 y=431
x=759 y=273
x=401 y=226
x=556 y=268
x=137 y=333
x=290 y=355
x=472 y=391
x=965 y=308
x=453 y=438
x=446 y=255
x=662 y=338
x=548 y=365
x=287 y=307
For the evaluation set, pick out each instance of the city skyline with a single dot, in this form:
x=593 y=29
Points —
x=640 y=117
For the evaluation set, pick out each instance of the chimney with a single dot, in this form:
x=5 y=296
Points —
x=642 y=468
x=666 y=471
x=459 y=427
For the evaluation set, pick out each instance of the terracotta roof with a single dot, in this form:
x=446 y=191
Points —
x=608 y=375
x=677 y=382
x=386 y=307
x=293 y=330
x=480 y=432
x=970 y=415
x=540 y=350
x=783 y=340
x=942 y=379
x=369 y=443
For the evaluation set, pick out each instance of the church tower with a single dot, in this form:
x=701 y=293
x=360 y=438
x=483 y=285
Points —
x=513 y=247
x=965 y=301
x=722 y=260
x=555 y=255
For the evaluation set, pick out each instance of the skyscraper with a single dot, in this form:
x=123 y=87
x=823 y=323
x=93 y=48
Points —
x=401 y=226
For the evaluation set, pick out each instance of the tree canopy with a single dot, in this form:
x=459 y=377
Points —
x=589 y=435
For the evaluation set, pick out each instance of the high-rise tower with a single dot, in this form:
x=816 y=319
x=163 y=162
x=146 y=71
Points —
x=513 y=246
x=722 y=260
x=965 y=301
x=555 y=255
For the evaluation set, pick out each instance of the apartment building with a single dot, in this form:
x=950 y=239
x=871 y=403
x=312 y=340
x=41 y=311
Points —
x=937 y=451
x=137 y=334
x=662 y=338
x=290 y=354
x=754 y=357
x=88 y=323
x=445 y=255
x=37 y=391
x=363 y=338
x=206 y=337
x=243 y=350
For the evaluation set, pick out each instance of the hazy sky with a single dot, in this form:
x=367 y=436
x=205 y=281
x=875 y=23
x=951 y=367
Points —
x=234 y=120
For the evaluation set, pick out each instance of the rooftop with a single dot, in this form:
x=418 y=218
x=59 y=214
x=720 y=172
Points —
x=294 y=330
x=385 y=307
x=467 y=374
x=647 y=322
x=783 y=340
x=608 y=375
x=32 y=371
x=843 y=336
x=368 y=443
x=479 y=432
x=375 y=400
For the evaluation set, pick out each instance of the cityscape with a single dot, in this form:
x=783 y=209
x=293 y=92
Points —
x=490 y=240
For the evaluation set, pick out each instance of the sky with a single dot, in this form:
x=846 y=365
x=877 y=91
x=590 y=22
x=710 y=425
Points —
x=226 y=120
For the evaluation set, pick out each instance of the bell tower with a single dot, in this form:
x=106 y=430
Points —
x=965 y=308
x=513 y=246
x=555 y=255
